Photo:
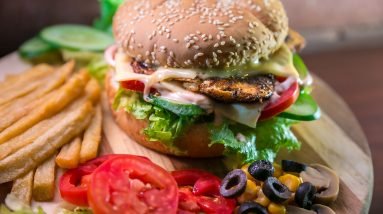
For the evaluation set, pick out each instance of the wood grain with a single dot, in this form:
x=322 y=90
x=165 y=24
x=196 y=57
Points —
x=335 y=140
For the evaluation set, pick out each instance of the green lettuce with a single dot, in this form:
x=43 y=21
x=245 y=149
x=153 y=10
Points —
x=107 y=9
x=26 y=210
x=98 y=68
x=164 y=125
x=244 y=144
x=78 y=210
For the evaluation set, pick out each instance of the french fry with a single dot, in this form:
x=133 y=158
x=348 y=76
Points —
x=14 y=82
x=22 y=188
x=44 y=181
x=69 y=156
x=32 y=155
x=50 y=83
x=7 y=97
x=26 y=138
x=93 y=90
x=20 y=111
x=92 y=137
x=66 y=94
x=25 y=85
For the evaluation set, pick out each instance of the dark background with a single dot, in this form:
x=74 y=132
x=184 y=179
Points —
x=354 y=70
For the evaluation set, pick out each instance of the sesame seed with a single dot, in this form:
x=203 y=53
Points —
x=188 y=45
x=196 y=47
x=223 y=43
x=175 y=40
x=198 y=55
x=219 y=51
x=216 y=45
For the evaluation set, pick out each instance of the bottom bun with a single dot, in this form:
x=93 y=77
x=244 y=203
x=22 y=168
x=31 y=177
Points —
x=194 y=141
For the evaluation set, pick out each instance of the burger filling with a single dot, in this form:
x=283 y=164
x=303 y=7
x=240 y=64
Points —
x=235 y=99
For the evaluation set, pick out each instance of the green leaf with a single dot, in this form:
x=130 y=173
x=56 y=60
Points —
x=78 y=210
x=164 y=125
x=26 y=210
x=244 y=144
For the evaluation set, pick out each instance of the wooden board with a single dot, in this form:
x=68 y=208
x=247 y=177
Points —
x=335 y=140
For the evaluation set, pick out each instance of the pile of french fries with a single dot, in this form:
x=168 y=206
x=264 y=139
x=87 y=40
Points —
x=48 y=117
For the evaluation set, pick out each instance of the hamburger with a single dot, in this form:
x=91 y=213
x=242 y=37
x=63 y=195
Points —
x=208 y=78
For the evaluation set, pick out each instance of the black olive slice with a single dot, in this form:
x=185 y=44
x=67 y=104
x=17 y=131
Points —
x=261 y=170
x=252 y=207
x=305 y=195
x=234 y=184
x=292 y=166
x=275 y=190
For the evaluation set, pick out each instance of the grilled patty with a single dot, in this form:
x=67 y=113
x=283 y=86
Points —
x=243 y=90
x=255 y=89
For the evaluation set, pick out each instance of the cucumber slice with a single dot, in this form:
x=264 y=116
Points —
x=304 y=109
x=86 y=56
x=77 y=37
x=34 y=47
x=178 y=108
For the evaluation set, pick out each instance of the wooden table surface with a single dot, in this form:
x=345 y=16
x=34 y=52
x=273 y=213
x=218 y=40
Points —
x=357 y=76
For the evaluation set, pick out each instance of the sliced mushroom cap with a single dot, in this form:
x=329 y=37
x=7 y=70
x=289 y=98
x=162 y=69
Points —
x=298 y=210
x=316 y=209
x=322 y=209
x=325 y=180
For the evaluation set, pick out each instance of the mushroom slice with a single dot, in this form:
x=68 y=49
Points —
x=325 y=180
x=322 y=209
x=298 y=210
x=316 y=209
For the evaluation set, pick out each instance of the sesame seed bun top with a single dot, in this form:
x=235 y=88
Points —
x=200 y=33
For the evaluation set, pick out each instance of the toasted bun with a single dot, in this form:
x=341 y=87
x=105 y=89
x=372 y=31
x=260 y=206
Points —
x=200 y=34
x=194 y=141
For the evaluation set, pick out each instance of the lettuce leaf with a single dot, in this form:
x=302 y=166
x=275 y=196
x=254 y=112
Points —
x=78 y=210
x=244 y=144
x=5 y=210
x=164 y=125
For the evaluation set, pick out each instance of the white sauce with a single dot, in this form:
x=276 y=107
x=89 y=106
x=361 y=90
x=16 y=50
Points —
x=174 y=92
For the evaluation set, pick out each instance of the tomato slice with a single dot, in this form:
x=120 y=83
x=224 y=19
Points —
x=132 y=185
x=199 y=192
x=74 y=183
x=135 y=85
x=285 y=100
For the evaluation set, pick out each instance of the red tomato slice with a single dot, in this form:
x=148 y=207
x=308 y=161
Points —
x=189 y=177
x=74 y=183
x=135 y=85
x=132 y=185
x=286 y=99
x=199 y=192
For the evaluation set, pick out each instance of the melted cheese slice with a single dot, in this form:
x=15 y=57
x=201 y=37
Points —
x=246 y=114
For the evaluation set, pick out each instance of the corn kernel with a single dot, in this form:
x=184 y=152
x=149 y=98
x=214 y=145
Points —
x=245 y=169
x=262 y=199
x=277 y=170
x=291 y=181
x=250 y=192
x=274 y=208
